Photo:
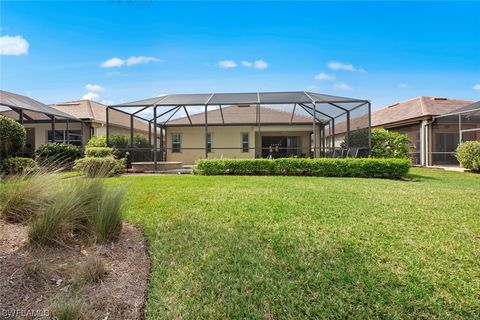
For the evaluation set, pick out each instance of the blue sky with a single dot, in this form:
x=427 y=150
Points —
x=385 y=52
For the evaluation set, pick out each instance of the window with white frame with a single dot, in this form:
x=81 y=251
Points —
x=63 y=136
x=245 y=142
x=176 y=142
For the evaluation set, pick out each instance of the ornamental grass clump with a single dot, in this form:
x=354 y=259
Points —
x=25 y=196
x=107 y=220
x=69 y=215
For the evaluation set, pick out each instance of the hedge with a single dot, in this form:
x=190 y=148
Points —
x=99 y=167
x=322 y=167
x=57 y=154
x=18 y=165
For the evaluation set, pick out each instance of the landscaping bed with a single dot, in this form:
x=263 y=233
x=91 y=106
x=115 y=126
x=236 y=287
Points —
x=38 y=279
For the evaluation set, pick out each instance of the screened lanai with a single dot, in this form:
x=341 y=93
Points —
x=448 y=130
x=42 y=122
x=250 y=125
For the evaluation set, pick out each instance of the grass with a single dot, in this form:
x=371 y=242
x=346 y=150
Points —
x=92 y=270
x=304 y=247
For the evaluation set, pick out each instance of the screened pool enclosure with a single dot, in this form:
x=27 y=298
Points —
x=447 y=131
x=187 y=127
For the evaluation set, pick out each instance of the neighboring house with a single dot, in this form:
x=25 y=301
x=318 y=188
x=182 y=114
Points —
x=411 y=117
x=93 y=114
x=233 y=132
x=40 y=120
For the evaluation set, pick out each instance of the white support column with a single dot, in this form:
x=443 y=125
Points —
x=424 y=143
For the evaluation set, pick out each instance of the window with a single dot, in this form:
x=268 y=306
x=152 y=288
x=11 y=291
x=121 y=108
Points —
x=176 y=142
x=74 y=136
x=209 y=142
x=245 y=144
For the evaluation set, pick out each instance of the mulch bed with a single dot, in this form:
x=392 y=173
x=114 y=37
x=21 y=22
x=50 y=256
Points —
x=32 y=278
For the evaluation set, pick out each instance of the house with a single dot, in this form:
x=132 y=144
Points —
x=412 y=117
x=234 y=132
x=73 y=122
x=93 y=114
x=40 y=121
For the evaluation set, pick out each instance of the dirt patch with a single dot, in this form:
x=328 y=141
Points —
x=32 y=279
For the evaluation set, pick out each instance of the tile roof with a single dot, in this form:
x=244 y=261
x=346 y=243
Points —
x=246 y=114
x=96 y=112
x=410 y=110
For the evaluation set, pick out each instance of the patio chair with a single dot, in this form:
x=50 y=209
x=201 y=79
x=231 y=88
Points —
x=352 y=152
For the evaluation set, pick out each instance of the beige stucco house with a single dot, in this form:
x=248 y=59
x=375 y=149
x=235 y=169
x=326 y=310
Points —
x=233 y=132
x=73 y=122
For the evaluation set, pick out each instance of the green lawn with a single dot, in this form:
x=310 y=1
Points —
x=306 y=247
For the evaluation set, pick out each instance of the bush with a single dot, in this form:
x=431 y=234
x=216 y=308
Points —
x=325 y=167
x=468 y=154
x=12 y=137
x=97 y=141
x=388 y=144
x=57 y=154
x=99 y=167
x=18 y=165
x=98 y=152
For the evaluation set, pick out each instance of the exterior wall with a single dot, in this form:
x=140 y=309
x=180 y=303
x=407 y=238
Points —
x=227 y=137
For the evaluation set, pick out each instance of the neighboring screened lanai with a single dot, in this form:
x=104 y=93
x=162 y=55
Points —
x=255 y=124
x=448 y=130
x=40 y=120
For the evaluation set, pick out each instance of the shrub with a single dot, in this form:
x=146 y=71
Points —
x=25 y=196
x=18 y=165
x=98 y=152
x=57 y=154
x=99 y=167
x=97 y=141
x=13 y=136
x=468 y=154
x=107 y=222
x=68 y=215
x=350 y=167
x=389 y=144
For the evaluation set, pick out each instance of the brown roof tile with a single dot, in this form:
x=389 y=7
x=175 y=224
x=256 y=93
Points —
x=96 y=112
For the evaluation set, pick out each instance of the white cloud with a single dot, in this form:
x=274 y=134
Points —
x=336 y=65
x=227 y=64
x=133 y=60
x=476 y=87
x=13 y=46
x=247 y=64
x=139 y=60
x=90 y=96
x=94 y=88
x=112 y=63
x=402 y=85
x=324 y=76
x=107 y=102
x=260 y=64
x=342 y=86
